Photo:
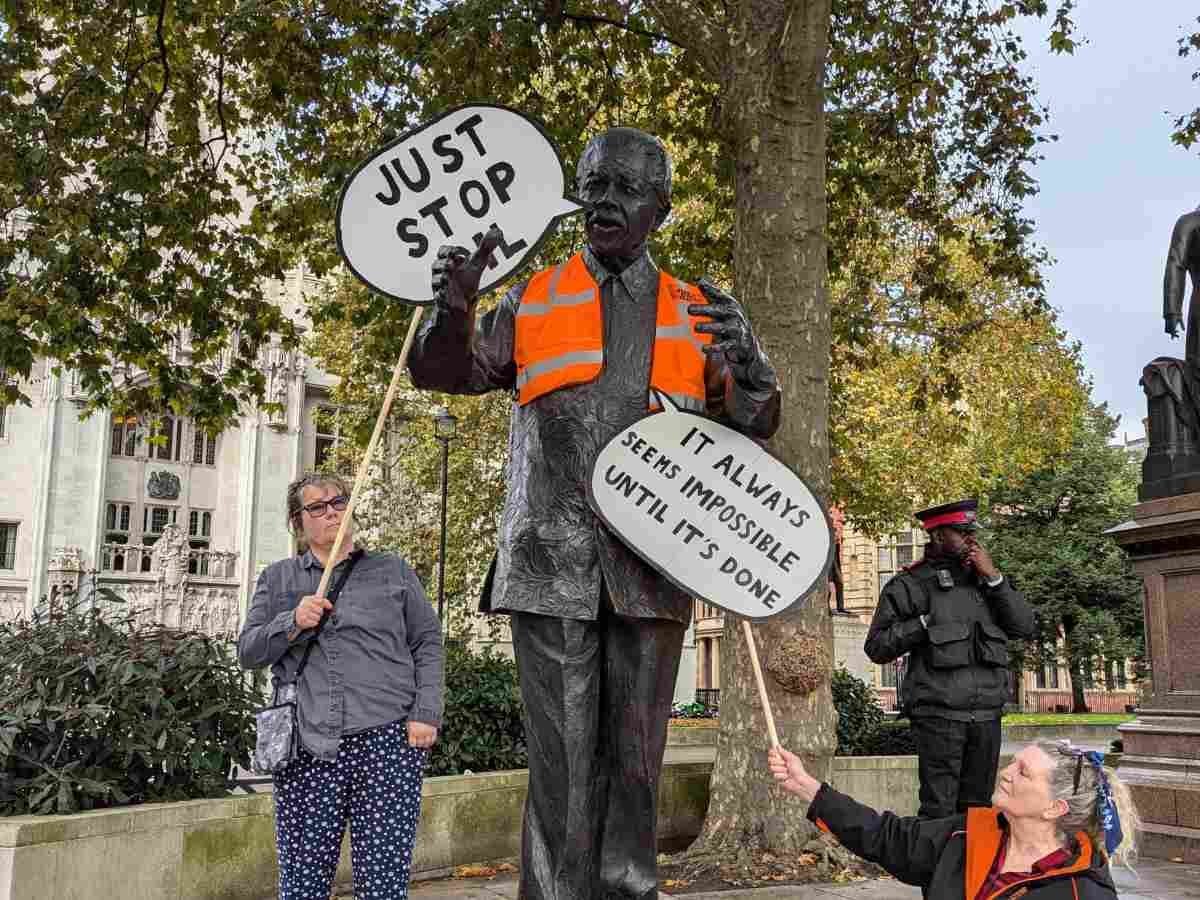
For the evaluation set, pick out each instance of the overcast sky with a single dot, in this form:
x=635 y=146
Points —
x=1114 y=184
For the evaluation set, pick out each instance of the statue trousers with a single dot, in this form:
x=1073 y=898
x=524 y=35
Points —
x=597 y=700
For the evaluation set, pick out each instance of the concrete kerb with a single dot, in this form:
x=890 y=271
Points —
x=1096 y=736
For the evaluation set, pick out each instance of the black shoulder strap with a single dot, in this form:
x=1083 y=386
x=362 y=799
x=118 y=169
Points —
x=351 y=562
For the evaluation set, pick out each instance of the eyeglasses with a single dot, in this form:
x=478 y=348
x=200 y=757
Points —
x=317 y=509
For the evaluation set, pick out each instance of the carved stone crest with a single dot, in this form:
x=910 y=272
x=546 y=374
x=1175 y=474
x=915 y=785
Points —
x=163 y=486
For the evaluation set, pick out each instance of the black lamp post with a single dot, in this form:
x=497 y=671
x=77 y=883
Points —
x=444 y=426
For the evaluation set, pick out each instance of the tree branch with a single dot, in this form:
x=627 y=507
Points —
x=128 y=51
x=709 y=44
x=166 y=81
x=224 y=135
x=624 y=26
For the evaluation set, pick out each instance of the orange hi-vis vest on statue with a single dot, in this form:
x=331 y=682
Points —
x=560 y=336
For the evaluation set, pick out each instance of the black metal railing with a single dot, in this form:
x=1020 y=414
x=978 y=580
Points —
x=709 y=698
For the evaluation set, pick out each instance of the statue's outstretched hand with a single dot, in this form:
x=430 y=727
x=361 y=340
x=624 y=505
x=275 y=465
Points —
x=1174 y=325
x=730 y=326
x=457 y=271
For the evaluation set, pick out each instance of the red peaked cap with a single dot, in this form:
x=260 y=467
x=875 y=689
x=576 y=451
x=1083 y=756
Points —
x=960 y=514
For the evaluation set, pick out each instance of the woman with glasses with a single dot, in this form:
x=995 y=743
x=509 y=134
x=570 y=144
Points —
x=369 y=700
x=1057 y=817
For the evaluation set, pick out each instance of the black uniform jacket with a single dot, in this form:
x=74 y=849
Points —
x=958 y=660
x=951 y=857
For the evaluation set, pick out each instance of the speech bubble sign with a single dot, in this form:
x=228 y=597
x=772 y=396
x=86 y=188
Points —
x=713 y=512
x=447 y=182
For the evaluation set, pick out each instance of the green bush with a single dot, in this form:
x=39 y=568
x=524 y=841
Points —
x=482 y=729
x=890 y=739
x=859 y=713
x=99 y=713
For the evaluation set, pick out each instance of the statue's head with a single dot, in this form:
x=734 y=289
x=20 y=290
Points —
x=625 y=176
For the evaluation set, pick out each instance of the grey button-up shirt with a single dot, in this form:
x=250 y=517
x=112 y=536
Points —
x=379 y=657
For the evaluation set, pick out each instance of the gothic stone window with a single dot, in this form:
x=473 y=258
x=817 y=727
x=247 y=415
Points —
x=199 y=536
x=124 y=436
x=169 y=435
x=116 y=522
x=204 y=448
x=155 y=519
x=199 y=528
x=8 y=545
x=328 y=433
x=117 y=517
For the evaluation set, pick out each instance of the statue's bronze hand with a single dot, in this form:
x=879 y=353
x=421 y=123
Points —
x=1174 y=325
x=730 y=326
x=457 y=272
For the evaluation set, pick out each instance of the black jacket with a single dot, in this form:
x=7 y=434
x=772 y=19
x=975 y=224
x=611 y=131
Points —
x=958 y=660
x=951 y=857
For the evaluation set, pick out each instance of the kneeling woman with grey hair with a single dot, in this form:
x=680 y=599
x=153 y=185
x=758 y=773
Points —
x=1057 y=817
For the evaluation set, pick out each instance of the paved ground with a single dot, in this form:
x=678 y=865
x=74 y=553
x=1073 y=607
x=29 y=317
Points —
x=1154 y=881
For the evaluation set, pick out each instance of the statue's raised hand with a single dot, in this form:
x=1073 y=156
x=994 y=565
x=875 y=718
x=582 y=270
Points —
x=732 y=337
x=730 y=326
x=457 y=271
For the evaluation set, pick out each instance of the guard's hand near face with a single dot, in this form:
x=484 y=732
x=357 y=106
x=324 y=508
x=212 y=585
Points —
x=309 y=611
x=421 y=735
x=457 y=272
x=981 y=561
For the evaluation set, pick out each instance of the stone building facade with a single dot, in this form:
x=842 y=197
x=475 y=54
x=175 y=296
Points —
x=180 y=528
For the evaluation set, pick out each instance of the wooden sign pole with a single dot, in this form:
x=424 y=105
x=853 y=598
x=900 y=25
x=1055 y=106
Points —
x=363 y=467
x=762 y=686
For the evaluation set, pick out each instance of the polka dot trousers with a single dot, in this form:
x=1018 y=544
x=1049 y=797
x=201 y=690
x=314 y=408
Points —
x=375 y=783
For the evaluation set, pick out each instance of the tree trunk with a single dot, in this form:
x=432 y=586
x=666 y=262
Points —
x=775 y=109
x=1075 y=665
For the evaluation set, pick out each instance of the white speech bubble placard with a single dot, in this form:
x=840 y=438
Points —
x=713 y=512
x=447 y=182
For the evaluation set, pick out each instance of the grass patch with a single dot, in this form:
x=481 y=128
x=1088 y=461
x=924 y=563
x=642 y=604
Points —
x=1067 y=718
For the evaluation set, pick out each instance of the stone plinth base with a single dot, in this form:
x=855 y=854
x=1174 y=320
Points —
x=1161 y=759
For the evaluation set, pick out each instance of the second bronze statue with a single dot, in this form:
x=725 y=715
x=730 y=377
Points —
x=597 y=633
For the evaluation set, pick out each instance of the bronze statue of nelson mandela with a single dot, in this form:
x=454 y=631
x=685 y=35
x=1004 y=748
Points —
x=597 y=633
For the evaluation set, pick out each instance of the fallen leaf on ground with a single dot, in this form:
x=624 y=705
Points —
x=478 y=870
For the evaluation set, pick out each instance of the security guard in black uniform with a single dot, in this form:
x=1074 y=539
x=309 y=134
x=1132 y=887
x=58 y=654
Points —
x=953 y=613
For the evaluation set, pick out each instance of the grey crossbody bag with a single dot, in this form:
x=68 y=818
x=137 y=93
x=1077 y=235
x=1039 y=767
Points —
x=277 y=741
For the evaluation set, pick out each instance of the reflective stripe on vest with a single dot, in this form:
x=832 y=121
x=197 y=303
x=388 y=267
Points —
x=546 y=366
x=559 y=336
